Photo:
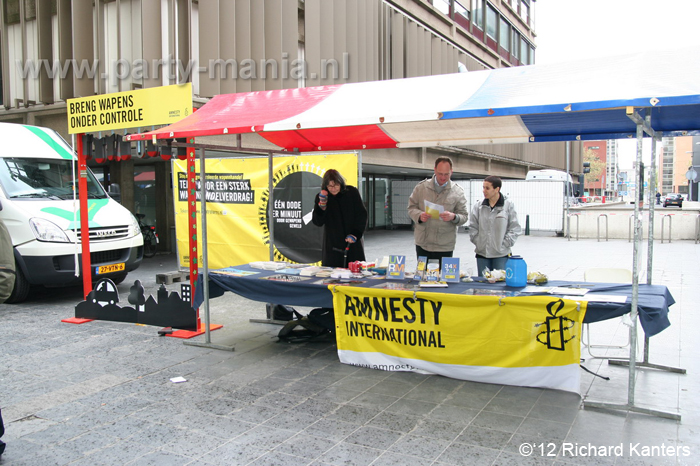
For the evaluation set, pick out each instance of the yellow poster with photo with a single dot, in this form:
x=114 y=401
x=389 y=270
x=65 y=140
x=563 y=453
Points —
x=522 y=340
x=238 y=198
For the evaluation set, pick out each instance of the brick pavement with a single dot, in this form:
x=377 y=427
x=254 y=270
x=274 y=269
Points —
x=99 y=393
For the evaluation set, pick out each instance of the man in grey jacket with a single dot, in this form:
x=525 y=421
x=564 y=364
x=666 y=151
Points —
x=493 y=227
x=436 y=233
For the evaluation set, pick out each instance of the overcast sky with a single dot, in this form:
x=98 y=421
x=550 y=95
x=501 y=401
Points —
x=579 y=29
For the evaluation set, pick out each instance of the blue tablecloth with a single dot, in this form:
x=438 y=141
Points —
x=653 y=300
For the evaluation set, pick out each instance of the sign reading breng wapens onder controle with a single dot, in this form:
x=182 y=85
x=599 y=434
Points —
x=131 y=109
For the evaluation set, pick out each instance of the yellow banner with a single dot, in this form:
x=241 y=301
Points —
x=509 y=340
x=131 y=109
x=238 y=229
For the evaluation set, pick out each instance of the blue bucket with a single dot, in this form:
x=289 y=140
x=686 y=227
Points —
x=516 y=271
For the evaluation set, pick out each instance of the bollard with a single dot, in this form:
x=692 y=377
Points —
x=568 y=225
x=669 y=227
x=527 y=225
x=629 y=234
x=606 y=226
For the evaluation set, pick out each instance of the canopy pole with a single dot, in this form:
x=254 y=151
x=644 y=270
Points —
x=205 y=260
x=84 y=225
x=567 y=187
x=359 y=172
x=269 y=307
x=650 y=257
x=630 y=406
x=270 y=201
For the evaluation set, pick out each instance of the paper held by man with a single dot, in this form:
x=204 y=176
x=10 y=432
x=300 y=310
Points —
x=434 y=210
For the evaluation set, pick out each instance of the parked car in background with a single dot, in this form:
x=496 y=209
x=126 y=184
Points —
x=673 y=199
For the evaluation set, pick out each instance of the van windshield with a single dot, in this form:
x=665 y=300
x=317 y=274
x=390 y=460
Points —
x=43 y=178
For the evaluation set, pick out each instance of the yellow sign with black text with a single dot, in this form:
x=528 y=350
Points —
x=131 y=109
x=238 y=207
x=522 y=340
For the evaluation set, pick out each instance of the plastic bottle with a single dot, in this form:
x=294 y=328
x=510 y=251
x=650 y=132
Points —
x=516 y=271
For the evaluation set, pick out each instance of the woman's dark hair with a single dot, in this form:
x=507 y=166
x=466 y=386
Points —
x=335 y=177
x=494 y=180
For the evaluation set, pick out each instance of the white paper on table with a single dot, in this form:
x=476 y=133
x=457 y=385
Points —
x=434 y=210
x=599 y=298
x=569 y=291
x=536 y=289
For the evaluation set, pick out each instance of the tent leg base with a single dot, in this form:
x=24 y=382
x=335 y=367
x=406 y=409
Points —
x=631 y=408
x=208 y=345
x=268 y=321
x=648 y=365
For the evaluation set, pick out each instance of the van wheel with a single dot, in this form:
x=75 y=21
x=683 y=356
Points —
x=21 y=289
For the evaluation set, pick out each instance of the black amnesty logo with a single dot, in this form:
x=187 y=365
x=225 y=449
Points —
x=557 y=330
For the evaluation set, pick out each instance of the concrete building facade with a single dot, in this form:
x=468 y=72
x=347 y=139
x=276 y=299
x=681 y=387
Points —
x=56 y=50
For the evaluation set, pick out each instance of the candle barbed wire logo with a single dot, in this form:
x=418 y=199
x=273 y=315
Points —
x=558 y=329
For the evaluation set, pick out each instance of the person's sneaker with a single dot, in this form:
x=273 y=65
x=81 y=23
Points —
x=2 y=447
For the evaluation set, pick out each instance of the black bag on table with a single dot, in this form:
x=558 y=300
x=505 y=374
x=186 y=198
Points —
x=318 y=325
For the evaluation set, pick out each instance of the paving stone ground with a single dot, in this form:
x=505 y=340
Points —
x=100 y=393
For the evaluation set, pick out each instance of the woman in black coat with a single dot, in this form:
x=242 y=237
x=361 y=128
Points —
x=340 y=210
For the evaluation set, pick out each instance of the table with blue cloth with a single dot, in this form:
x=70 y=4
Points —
x=653 y=300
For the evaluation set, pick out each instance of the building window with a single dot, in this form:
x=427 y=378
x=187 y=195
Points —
x=443 y=6
x=525 y=11
x=491 y=22
x=462 y=12
x=478 y=13
x=524 y=51
x=516 y=45
x=504 y=34
x=11 y=12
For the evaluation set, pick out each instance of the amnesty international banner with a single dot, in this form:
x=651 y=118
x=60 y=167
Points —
x=238 y=227
x=531 y=341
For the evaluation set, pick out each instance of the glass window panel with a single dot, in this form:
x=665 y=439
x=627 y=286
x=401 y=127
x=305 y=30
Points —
x=479 y=13
x=516 y=44
x=491 y=22
x=443 y=6
x=462 y=10
x=523 y=50
x=504 y=34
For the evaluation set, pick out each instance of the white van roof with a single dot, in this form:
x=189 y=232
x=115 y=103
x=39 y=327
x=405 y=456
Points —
x=33 y=142
x=549 y=175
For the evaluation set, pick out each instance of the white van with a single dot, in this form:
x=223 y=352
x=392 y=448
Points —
x=37 y=206
x=555 y=175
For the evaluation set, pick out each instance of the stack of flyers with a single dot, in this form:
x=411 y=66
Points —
x=450 y=269
x=432 y=271
x=420 y=268
x=396 y=268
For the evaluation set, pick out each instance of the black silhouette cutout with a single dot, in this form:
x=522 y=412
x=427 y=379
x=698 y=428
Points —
x=168 y=311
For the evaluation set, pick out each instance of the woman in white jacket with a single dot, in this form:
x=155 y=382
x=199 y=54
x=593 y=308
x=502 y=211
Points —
x=493 y=227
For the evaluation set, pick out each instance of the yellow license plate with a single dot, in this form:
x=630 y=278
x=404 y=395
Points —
x=110 y=268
